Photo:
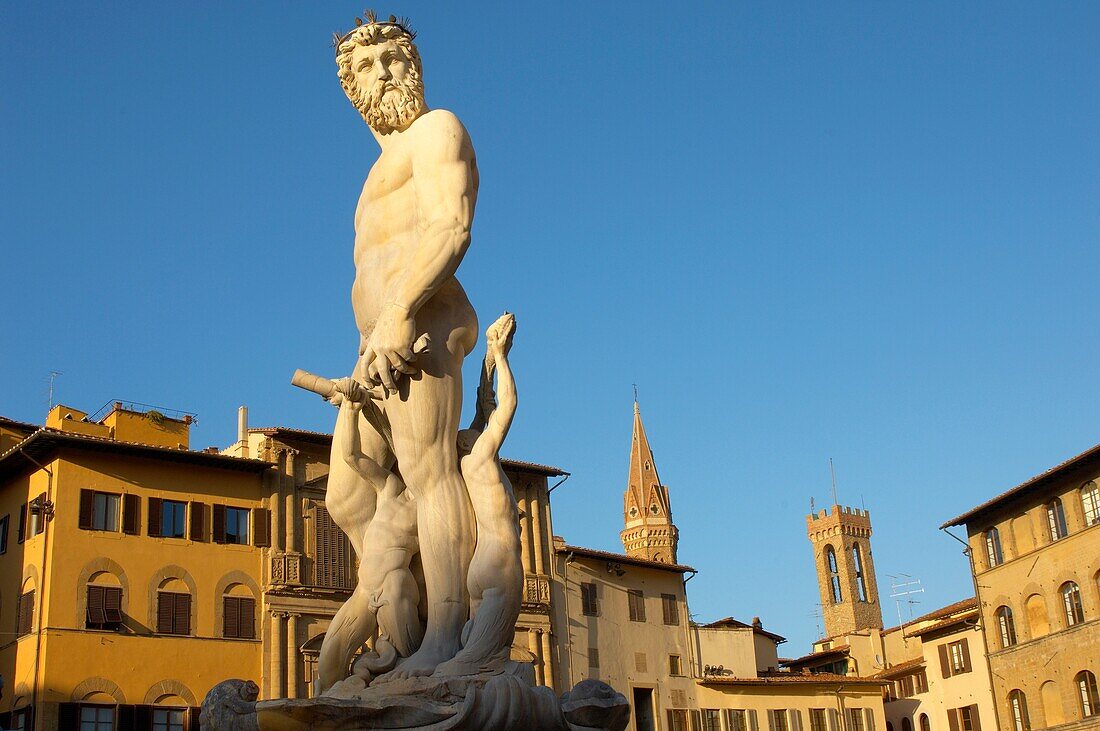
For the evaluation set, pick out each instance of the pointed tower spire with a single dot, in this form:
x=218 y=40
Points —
x=647 y=514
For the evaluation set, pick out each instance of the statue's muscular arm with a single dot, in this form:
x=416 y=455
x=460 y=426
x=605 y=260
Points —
x=444 y=176
x=487 y=446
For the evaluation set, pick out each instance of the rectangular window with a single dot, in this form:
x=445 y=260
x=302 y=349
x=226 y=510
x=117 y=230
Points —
x=236 y=526
x=333 y=557
x=959 y=656
x=173 y=518
x=97 y=718
x=921 y=681
x=239 y=617
x=736 y=720
x=25 y=614
x=712 y=720
x=4 y=533
x=36 y=518
x=968 y=719
x=593 y=657
x=104 y=607
x=590 y=606
x=677 y=720
x=855 y=719
x=670 y=610
x=777 y=719
x=817 y=720
x=105 y=511
x=173 y=613
x=641 y=665
x=168 y=719
x=636 y=603
x=675 y=667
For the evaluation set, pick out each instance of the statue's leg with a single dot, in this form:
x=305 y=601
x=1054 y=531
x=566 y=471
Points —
x=352 y=626
x=424 y=418
x=348 y=498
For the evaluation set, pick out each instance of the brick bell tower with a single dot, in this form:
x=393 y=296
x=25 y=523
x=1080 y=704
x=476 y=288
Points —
x=647 y=514
x=841 y=538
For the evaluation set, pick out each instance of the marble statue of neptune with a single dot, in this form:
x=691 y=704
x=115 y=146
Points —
x=412 y=228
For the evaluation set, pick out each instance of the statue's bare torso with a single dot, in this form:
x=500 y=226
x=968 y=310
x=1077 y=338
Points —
x=388 y=225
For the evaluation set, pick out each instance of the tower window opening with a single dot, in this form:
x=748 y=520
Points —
x=861 y=584
x=834 y=574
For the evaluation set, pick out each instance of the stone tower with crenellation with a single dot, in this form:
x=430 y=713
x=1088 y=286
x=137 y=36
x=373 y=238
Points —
x=647 y=513
x=841 y=538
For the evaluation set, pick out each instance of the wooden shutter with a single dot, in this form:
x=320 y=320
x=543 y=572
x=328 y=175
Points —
x=869 y=719
x=246 y=615
x=181 y=622
x=198 y=521
x=261 y=527
x=156 y=511
x=219 y=523
x=68 y=715
x=112 y=604
x=945 y=663
x=231 y=623
x=753 y=724
x=4 y=523
x=952 y=716
x=131 y=514
x=974 y=718
x=143 y=718
x=84 y=518
x=95 y=614
x=193 y=719
x=26 y=613
x=164 y=613
x=696 y=720
x=22 y=534
x=834 y=719
x=966 y=655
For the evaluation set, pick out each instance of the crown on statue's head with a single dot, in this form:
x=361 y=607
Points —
x=369 y=18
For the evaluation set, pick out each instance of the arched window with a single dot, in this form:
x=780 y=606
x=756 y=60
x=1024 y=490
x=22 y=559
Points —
x=1087 y=700
x=925 y=725
x=238 y=613
x=993 y=554
x=861 y=583
x=906 y=724
x=834 y=574
x=1056 y=520
x=1090 y=502
x=1071 y=604
x=104 y=606
x=1006 y=626
x=173 y=607
x=1017 y=704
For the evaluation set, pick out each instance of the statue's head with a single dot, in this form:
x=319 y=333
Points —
x=379 y=68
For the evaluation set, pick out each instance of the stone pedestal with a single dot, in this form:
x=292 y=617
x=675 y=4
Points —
x=502 y=702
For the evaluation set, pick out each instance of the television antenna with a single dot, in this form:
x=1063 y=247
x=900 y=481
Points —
x=902 y=587
x=53 y=377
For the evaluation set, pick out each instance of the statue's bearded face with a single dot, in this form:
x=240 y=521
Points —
x=383 y=81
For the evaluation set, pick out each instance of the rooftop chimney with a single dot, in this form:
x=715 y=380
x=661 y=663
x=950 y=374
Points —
x=242 y=430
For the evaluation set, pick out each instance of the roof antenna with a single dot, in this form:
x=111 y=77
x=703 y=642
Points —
x=53 y=377
x=832 y=473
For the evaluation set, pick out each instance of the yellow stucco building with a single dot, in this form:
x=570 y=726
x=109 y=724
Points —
x=128 y=568
x=1035 y=556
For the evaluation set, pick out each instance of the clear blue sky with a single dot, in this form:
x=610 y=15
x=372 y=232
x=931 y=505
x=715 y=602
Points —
x=860 y=231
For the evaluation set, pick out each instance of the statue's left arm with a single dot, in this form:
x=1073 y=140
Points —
x=444 y=175
x=499 y=342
